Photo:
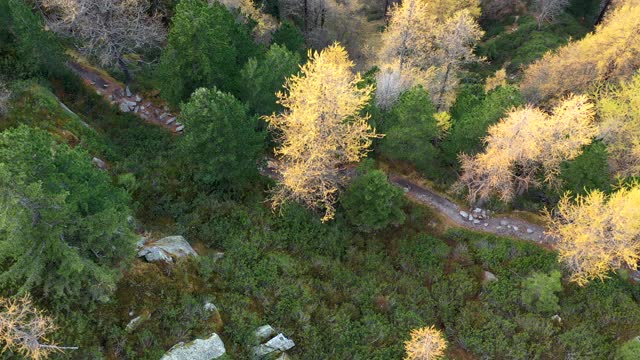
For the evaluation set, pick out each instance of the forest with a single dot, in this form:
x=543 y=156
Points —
x=319 y=179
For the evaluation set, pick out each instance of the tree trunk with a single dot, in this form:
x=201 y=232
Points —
x=306 y=16
x=603 y=12
x=443 y=87
x=125 y=69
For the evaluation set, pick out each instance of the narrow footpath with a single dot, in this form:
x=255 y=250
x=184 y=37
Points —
x=473 y=219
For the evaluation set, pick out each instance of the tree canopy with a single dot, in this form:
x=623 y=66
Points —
x=65 y=235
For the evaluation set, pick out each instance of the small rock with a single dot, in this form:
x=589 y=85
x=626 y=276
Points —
x=138 y=98
x=135 y=322
x=210 y=307
x=486 y=224
x=171 y=120
x=498 y=227
x=484 y=213
x=163 y=116
x=477 y=211
x=470 y=217
x=515 y=228
x=556 y=318
x=105 y=85
x=180 y=128
x=476 y=222
x=264 y=332
x=110 y=98
x=464 y=214
x=140 y=243
x=207 y=349
x=98 y=92
x=530 y=231
x=127 y=92
x=217 y=256
x=99 y=163
x=504 y=222
x=488 y=277
x=508 y=226
x=276 y=345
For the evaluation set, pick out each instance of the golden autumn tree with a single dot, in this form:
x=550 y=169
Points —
x=619 y=113
x=610 y=53
x=320 y=130
x=526 y=146
x=427 y=47
x=23 y=329
x=598 y=233
x=427 y=343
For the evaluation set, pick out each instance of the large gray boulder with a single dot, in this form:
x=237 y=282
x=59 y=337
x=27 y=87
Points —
x=207 y=349
x=167 y=249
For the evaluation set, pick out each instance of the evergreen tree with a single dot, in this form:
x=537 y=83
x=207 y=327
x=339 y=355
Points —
x=220 y=142
x=64 y=234
x=263 y=78
x=206 y=48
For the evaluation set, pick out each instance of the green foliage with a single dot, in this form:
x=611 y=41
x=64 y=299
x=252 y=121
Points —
x=589 y=171
x=262 y=78
x=290 y=36
x=538 y=291
x=220 y=144
x=629 y=350
x=472 y=114
x=411 y=130
x=371 y=203
x=206 y=48
x=526 y=42
x=25 y=48
x=64 y=225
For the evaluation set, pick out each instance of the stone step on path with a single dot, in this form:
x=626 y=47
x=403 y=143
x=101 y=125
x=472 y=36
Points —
x=126 y=100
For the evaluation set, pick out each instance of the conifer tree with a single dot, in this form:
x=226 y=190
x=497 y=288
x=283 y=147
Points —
x=321 y=129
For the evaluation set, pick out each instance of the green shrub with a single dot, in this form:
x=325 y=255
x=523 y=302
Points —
x=371 y=203
x=538 y=291
x=472 y=114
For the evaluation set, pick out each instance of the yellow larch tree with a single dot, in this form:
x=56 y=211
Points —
x=597 y=233
x=619 y=113
x=427 y=343
x=265 y=24
x=425 y=44
x=611 y=53
x=23 y=329
x=321 y=130
x=526 y=146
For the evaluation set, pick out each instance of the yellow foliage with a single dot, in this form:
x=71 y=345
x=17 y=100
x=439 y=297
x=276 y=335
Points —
x=598 y=233
x=265 y=24
x=444 y=9
x=422 y=46
x=426 y=343
x=610 y=53
x=443 y=121
x=526 y=142
x=498 y=79
x=23 y=328
x=320 y=130
x=619 y=112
